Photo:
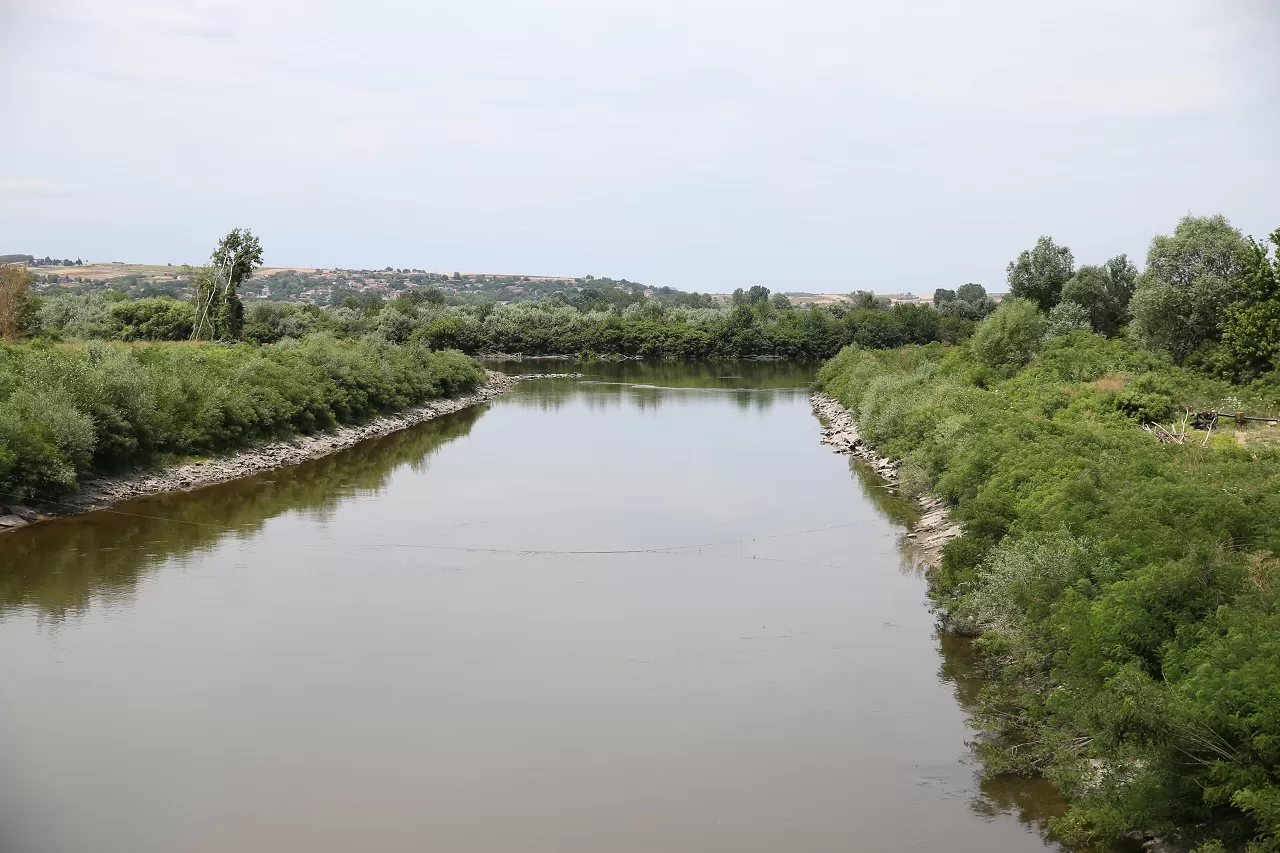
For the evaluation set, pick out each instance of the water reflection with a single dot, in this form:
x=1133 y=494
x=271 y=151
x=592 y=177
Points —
x=771 y=693
x=726 y=374
x=751 y=385
x=1032 y=801
x=59 y=568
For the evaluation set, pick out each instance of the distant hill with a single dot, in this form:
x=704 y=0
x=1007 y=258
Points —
x=332 y=286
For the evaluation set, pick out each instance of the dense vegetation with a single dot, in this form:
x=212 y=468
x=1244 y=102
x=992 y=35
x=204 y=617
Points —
x=1126 y=592
x=66 y=410
x=587 y=324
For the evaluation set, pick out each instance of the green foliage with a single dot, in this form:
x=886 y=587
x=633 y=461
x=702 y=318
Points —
x=1191 y=278
x=15 y=302
x=69 y=410
x=1104 y=293
x=1067 y=317
x=1125 y=591
x=605 y=322
x=1251 y=325
x=968 y=302
x=765 y=327
x=1009 y=337
x=219 y=313
x=152 y=320
x=1039 y=273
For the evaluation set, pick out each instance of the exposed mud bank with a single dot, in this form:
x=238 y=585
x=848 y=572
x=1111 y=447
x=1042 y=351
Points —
x=934 y=528
x=102 y=492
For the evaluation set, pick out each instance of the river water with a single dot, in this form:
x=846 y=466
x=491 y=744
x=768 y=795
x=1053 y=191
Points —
x=641 y=611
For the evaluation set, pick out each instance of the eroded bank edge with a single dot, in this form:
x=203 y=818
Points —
x=934 y=528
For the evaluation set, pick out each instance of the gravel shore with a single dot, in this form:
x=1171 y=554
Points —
x=934 y=528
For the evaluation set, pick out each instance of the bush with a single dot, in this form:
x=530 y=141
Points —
x=1010 y=337
x=69 y=410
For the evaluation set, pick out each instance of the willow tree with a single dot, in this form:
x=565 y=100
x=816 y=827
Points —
x=219 y=311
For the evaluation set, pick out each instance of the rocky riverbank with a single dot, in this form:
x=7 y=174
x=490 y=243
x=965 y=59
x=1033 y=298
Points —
x=934 y=528
x=103 y=492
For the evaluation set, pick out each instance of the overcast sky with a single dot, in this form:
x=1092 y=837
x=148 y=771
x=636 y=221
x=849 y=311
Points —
x=822 y=145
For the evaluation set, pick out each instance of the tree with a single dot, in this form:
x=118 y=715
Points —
x=972 y=292
x=865 y=300
x=1040 y=272
x=15 y=301
x=877 y=329
x=219 y=311
x=970 y=302
x=780 y=301
x=1010 y=337
x=1251 y=326
x=1067 y=317
x=942 y=296
x=1104 y=293
x=919 y=323
x=1190 y=279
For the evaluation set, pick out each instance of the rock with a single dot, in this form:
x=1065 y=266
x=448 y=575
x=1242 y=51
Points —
x=11 y=522
x=25 y=513
x=934 y=529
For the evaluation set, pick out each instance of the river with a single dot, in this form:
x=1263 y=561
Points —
x=641 y=611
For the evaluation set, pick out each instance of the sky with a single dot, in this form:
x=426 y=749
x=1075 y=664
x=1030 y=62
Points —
x=806 y=145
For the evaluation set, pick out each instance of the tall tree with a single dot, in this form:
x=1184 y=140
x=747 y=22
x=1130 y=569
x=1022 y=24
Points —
x=15 y=301
x=1040 y=272
x=219 y=311
x=1190 y=279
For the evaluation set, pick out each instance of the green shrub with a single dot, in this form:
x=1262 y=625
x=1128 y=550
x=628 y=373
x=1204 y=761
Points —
x=68 y=410
x=1010 y=337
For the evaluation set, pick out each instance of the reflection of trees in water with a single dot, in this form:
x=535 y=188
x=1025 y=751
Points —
x=648 y=385
x=597 y=395
x=678 y=374
x=1034 y=801
x=60 y=567
x=902 y=511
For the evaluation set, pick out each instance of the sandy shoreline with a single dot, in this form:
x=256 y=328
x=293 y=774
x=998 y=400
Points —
x=934 y=529
x=102 y=492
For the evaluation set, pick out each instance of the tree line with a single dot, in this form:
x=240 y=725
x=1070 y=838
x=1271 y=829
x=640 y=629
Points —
x=1209 y=297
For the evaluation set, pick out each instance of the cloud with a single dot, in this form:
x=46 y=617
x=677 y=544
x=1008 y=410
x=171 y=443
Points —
x=698 y=143
x=32 y=187
x=209 y=21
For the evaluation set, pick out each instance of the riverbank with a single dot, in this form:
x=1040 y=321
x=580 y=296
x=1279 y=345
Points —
x=103 y=492
x=1123 y=589
x=934 y=528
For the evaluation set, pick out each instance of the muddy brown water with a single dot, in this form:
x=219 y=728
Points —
x=645 y=610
